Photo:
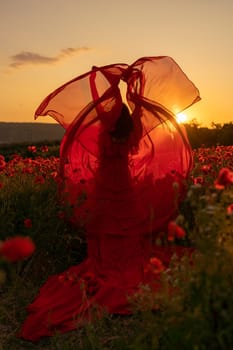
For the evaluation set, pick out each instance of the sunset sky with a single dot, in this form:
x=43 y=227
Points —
x=45 y=43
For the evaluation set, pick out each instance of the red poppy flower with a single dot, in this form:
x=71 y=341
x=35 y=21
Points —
x=230 y=209
x=17 y=248
x=175 y=231
x=44 y=148
x=2 y=163
x=198 y=180
x=27 y=170
x=156 y=265
x=225 y=178
x=54 y=175
x=28 y=223
x=32 y=149
x=206 y=168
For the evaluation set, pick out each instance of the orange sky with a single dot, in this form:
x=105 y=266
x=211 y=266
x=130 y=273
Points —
x=46 y=43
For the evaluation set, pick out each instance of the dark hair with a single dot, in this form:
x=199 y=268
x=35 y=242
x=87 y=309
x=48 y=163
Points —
x=124 y=124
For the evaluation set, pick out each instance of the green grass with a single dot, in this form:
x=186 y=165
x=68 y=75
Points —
x=198 y=317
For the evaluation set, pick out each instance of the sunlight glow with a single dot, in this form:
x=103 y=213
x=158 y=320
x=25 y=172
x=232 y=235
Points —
x=181 y=117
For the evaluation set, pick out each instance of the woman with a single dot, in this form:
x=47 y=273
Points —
x=126 y=163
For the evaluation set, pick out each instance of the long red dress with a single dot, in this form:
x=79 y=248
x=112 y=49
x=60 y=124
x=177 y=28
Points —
x=129 y=187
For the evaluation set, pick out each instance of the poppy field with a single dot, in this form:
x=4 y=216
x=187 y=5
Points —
x=37 y=240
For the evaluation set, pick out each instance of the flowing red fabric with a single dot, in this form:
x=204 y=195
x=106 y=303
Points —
x=124 y=193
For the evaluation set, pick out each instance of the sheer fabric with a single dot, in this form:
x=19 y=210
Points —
x=131 y=189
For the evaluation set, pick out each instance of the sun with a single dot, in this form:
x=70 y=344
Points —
x=181 y=117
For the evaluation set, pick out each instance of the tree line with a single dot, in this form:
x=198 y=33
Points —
x=218 y=134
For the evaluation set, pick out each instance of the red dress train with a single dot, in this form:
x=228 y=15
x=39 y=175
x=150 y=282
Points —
x=129 y=187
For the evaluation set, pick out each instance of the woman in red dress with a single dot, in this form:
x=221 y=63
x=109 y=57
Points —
x=126 y=161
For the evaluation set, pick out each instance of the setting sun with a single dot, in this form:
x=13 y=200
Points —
x=181 y=117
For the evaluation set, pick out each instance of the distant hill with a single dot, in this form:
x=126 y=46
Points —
x=29 y=132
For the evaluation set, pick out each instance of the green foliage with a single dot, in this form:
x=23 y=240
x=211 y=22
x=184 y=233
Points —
x=193 y=310
x=195 y=303
x=217 y=135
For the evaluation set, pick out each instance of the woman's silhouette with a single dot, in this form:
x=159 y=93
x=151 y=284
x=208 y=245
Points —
x=126 y=160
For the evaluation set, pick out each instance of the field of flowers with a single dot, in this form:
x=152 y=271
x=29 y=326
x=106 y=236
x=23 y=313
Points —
x=43 y=242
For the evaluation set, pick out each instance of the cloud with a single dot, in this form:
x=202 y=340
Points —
x=30 y=58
